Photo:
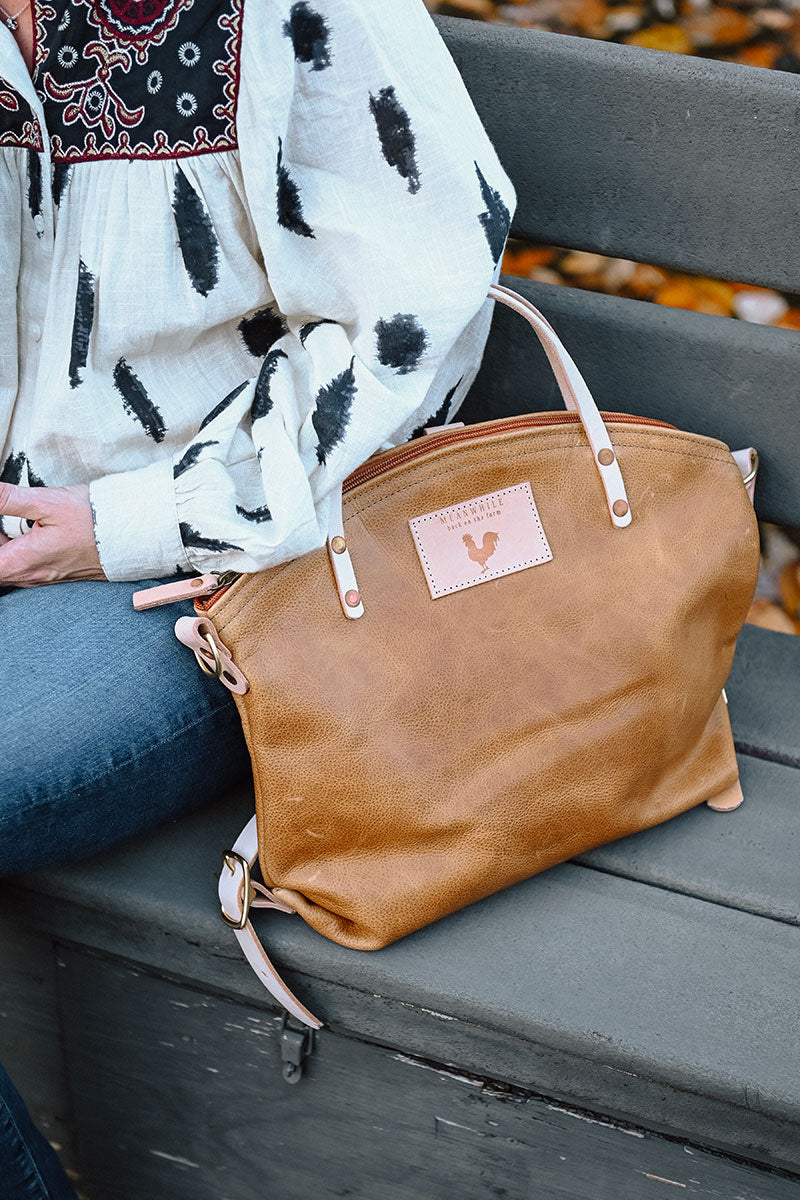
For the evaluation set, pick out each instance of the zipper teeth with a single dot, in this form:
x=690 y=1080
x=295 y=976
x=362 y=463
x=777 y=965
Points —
x=393 y=458
x=371 y=470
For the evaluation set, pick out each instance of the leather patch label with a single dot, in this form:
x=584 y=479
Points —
x=480 y=539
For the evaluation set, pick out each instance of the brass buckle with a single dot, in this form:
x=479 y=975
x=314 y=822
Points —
x=232 y=860
x=216 y=672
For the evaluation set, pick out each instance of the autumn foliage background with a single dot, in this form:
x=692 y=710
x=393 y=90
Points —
x=752 y=32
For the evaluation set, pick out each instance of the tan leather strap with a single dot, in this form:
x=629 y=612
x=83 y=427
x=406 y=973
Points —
x=238 y=893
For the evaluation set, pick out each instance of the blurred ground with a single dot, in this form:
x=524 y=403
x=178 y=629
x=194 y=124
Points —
x=755 y=33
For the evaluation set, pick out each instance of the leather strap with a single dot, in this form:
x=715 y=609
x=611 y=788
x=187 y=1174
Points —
x=747 y=462
x=577 y=398
x=236 y=905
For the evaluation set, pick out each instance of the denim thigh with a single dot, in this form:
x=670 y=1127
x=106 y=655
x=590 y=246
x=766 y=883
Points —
x=29 y=1168
x=109 y=727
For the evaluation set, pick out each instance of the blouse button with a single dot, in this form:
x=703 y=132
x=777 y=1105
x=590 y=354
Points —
x=35 y=331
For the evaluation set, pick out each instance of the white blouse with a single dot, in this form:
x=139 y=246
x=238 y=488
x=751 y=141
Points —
x=243 y=245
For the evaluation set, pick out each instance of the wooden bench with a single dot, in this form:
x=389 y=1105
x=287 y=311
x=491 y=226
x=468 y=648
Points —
x=622 y=1026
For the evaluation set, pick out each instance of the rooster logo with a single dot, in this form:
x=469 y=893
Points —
x=481 y=554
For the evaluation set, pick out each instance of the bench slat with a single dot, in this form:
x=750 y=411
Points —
x=580 y=984
x=747 y=859
x=764 y=694
x=665 y=158
x=713 y=375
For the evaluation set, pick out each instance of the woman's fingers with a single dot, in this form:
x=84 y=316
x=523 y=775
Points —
x=23 y=501
x=60 y=544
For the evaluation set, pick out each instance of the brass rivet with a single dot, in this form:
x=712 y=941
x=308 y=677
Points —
x=338 y=545
x=352 y=599
x=621 y=508
x=606 y=458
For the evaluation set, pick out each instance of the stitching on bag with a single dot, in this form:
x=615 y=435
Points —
x=461 y=587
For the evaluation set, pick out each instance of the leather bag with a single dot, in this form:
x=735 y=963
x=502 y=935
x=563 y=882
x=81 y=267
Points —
x=512 y=649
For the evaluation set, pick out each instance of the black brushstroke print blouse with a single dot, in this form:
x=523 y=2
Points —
x=243 y=244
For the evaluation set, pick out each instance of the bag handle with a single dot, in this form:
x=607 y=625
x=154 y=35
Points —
x=577 y=398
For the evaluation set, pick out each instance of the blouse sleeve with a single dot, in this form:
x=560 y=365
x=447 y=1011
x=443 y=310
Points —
x=381 y=211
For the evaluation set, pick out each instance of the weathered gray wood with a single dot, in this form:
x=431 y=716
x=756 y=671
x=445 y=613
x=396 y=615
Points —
x=30 y=1033
x=179 y=1093
x=749 y=859
x=665 y=158
x=764 y=693
x=712 y=375
x=619 y=996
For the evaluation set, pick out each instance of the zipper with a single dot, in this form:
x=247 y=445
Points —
x=406 y=453
x=225 y=579
x=374 y=467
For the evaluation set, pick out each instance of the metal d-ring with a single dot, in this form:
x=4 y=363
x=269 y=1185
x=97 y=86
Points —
x=216 y=673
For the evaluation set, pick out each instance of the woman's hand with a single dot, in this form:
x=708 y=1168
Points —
x=61 y=544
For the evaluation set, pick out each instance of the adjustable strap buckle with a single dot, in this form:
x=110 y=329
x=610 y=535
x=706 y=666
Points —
x=233 y=862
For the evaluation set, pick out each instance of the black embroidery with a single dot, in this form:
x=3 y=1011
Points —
x=440 y=416
x=332 y=413
x=190 y=457
x=196 y=237
x=496 y=220
x=310 y=325
x=139 y=78
x=137 y=403
x=262 y=402
x=82 y=323
x=262 y=330
x=257 y=515
x=190 y=537
x=310 y=36
x=35 y=186
x=61 y=174
x=18 y=126
x=223 y=404
x=401 y=342
x=396 y=136
x=290 y=209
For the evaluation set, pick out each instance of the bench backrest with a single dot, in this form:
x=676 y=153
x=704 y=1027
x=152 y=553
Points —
x=663 y=158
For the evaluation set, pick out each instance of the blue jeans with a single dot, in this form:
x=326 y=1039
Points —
x=29 y=1168
x=108 y=728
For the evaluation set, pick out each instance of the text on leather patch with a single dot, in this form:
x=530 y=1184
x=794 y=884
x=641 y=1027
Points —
x=480 y=539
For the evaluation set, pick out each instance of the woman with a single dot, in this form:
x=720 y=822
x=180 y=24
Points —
x=250 y=242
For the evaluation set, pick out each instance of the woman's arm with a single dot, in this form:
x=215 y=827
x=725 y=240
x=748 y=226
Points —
x=381 y=211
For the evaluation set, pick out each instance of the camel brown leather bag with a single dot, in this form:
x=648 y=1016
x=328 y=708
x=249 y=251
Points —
x=512 y=649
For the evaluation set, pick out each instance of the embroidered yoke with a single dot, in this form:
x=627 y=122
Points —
x=250 y=243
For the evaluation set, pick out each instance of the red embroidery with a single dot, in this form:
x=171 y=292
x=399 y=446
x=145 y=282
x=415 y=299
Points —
x=94 y=101
x=156 y=18
x=138 y=78
x=18 y=126
x=134 y=15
